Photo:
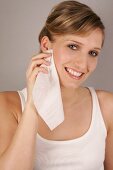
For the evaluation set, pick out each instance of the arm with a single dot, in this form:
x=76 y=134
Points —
x=109 y=140
x=106 y=103
x=17 y=141
x=109 y=150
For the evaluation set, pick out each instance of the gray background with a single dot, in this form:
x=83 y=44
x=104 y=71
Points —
x=20 y=24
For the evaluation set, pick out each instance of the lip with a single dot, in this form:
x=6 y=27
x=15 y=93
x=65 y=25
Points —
x=73 y=76
x=75 y=70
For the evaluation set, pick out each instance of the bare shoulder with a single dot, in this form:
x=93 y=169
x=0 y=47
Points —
x=10 y=113
x=106 y=105
x=10 y=102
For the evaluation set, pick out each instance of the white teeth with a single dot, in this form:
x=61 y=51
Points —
x=74 y=73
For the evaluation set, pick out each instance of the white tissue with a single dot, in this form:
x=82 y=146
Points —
x=47 y=96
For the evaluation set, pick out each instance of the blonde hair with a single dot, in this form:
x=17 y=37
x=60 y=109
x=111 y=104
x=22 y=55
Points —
x=70 y=17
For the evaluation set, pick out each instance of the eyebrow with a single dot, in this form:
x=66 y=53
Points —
x=97 y=48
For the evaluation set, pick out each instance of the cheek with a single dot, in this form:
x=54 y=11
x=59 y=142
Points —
x=58 y=62
x=60 y=59
x=92 y=65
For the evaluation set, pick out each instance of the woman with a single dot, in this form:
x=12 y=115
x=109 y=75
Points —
x=84 y=140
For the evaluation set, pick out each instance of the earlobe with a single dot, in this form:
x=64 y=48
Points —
x=45 y=44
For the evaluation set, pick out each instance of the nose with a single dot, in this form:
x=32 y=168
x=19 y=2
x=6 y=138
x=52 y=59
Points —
x=81 y=62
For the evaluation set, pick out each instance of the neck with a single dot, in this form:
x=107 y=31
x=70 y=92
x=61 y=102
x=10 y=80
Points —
x=70 y=95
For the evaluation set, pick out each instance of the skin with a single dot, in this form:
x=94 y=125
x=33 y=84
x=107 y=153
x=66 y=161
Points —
x=76 y=53
x=16 y=136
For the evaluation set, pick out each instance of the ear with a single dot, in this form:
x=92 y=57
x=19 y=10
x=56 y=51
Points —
x=45 y=44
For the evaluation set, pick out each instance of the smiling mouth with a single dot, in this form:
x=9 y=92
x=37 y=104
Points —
x=74 y=74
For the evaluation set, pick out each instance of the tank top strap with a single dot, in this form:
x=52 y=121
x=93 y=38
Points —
x=96 y=109
x=96 y=106
x=23 y=96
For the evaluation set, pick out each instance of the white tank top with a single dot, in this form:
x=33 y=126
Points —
x=84 y=153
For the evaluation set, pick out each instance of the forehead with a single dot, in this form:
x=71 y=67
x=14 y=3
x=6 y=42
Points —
x=93 y=39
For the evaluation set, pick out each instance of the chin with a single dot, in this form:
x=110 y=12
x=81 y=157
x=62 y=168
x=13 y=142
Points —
x=70 y=85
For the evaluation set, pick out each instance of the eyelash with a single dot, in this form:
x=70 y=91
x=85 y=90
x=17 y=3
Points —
x=75 y=47
x=93 y=53
x=72 y=46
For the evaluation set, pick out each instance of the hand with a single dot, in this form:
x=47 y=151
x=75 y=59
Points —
x=33 y=70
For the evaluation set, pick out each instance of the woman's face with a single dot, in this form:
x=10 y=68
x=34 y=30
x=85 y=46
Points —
x=76 y=57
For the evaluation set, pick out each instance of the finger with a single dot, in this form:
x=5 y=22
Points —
x=35 y=73
x=37 y=63
x=41 y=55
